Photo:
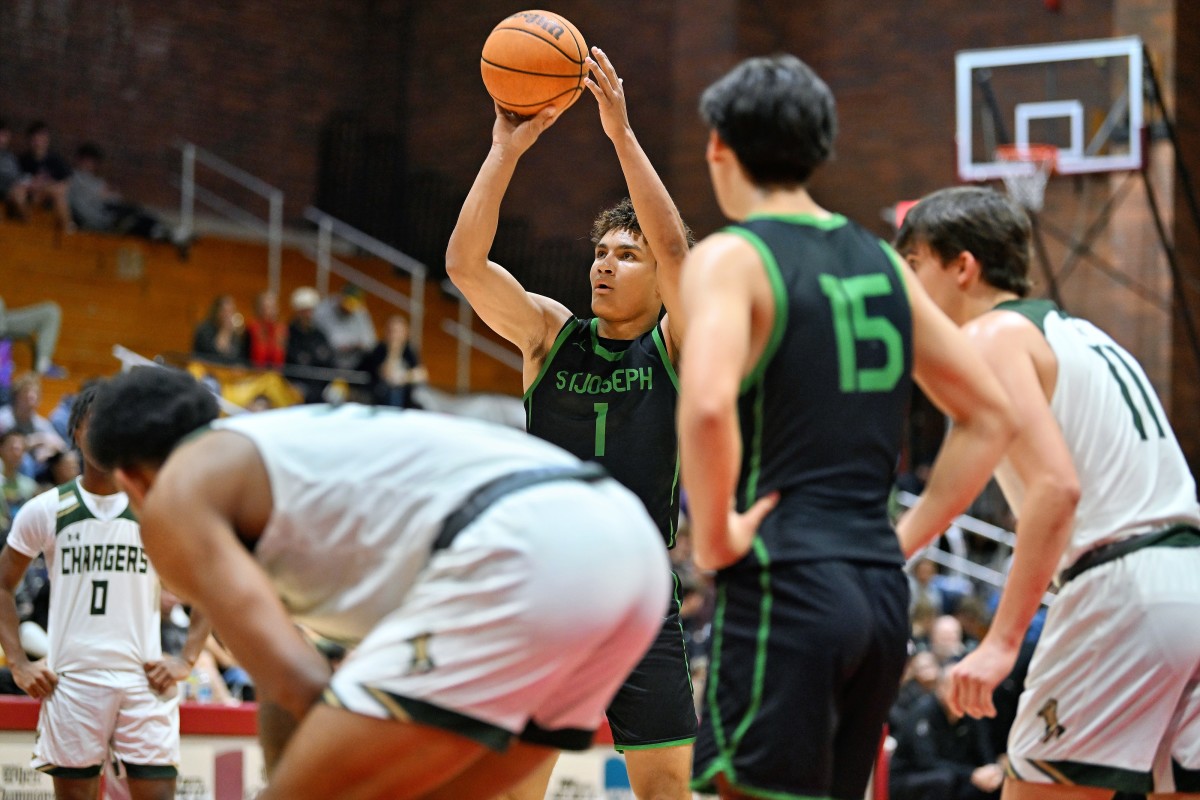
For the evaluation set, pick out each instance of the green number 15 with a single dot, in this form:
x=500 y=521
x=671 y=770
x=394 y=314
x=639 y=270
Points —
x=852 y=324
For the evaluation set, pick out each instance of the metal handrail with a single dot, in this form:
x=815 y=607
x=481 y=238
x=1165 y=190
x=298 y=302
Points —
x=189 y=192
x=468 y=341
x=329 y=226
x=959 y=564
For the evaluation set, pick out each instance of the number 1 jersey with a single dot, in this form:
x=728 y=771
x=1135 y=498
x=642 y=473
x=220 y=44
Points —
x=613 y=402
x=104 y=594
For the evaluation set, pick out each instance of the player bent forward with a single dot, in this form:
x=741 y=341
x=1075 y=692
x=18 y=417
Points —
x=495 y=589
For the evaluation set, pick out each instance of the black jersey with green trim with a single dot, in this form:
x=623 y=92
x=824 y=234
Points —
x=613 y=401
x=822 y=412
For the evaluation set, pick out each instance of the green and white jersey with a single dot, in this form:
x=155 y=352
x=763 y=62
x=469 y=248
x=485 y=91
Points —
x=104 y=593
x=1132 y=472
x=359 y=493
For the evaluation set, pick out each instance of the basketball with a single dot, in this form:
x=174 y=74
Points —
x=533 y=59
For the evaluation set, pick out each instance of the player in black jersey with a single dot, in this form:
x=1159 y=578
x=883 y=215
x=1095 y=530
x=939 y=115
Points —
x=804 y=334
x=603 y=389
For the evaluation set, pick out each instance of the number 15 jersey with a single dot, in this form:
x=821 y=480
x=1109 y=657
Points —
x=104 y=593
x=613 y=402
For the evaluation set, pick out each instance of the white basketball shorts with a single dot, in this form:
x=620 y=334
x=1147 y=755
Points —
x=1113 y=694
x=526 y=625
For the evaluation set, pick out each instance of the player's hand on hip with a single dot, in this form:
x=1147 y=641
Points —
x=609 y=91
x=166 y=673
x=516 y=134
x=744 y=527
x=35 y=678
x=973 y=679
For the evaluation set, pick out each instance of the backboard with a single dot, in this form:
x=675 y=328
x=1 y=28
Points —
x=1083 y=97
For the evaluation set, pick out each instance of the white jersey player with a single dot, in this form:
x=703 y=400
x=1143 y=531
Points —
x=1104 y=498
x=496 y=591
x=105 y=686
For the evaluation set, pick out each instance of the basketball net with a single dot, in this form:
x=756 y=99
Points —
x=1032 y=166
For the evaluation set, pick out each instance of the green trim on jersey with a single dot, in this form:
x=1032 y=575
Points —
x=78 y=512
x=727 y=747
x=599 y=349
x=658 y=746
x=1071 y=773
x=778 y=290
x=666 y=360
x=558 y=342
x=899 y=264
x=1033 y=310
x=662 y=352
x=830 y=223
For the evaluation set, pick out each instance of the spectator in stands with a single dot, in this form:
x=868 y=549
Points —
x=306 y=344
x=941 y=755
x=59 y=468
x=920 y=680
x=266 y=335
x=394 y=367
x=921 y=586
x=922 y=617
x=14 y=183
x=18 y=488
x=21 y=415
x=347 y=325
x=96 y=206
x=41 y=322
x=48 y=174
x=220 y=337
x=946 y=640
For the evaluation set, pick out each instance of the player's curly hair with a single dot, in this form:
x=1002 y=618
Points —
x=81 y=406
x=623 y=217
x=140 y=416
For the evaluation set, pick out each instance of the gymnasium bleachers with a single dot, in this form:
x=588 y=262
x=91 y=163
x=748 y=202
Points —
x=117 y=290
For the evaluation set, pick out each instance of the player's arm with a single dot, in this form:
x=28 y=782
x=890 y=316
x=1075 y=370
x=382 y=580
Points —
x=953 y=375
x=33 y=677
x=169 y=670
x=188 y=523
x=719 y=286
x=1045 y=519
x=657 y=215
x=525 y=319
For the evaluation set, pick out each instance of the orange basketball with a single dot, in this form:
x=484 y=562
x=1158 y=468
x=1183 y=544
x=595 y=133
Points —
x=534 y=59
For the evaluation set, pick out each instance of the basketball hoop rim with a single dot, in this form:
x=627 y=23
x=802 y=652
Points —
x=1042 y=157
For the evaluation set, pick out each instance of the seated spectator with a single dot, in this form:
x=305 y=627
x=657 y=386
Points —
x=941 y=755
x=923 y=587
x=946 y=640
x=266 y=335
x=59 y=468
x=220 y=336
x=920 y=679
x=14 y=183
x=17 y=487
x=306 y=344
x=394 y=367
x=96 y=206
x=347 y=325
x=40 y=322
x=21 y=415
x=48 y=174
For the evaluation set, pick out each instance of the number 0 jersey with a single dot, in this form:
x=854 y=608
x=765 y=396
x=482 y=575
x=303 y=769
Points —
x=613 y=402
x=1132 y=472
x=822 y=412
x=104 y=593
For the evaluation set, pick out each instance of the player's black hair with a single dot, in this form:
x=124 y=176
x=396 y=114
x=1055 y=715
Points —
x=81 y=406
x=777 y=116
x=140 y=416
x=623 y=217
x=975 y=220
